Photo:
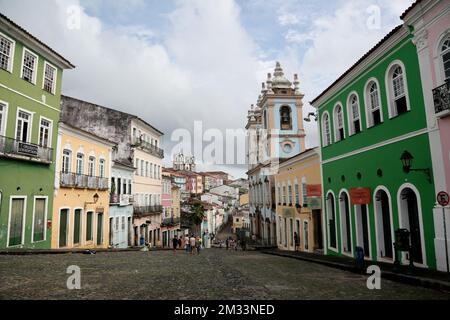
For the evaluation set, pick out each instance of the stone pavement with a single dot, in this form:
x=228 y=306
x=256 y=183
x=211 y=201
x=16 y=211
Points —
x=214 y=274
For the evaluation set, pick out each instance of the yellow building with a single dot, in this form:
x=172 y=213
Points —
x=81 y=199
x=244 y=199
x=298 y=194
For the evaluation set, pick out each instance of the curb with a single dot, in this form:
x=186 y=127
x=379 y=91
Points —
x=389 y=275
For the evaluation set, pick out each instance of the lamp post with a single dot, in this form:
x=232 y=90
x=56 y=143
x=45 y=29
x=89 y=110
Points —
x=95 y=197
x=407 y=160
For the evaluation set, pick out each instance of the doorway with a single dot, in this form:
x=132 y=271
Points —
x=410 y=220
x=306 y=235
x=318 y=234
x=63 y=227
x=99 y=229
x=332 y=220
x=362 y=222
x=383 y=223
x=111 y=230
x=346 y=229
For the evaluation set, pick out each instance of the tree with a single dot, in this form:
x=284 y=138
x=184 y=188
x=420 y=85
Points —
x=197 y=214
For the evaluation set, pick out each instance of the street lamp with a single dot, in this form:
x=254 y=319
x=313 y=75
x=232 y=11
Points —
x=407 y=159
x=96 y=197
x=311 y=114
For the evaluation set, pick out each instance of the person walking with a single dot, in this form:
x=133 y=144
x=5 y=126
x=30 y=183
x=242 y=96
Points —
x=192 y=244
x=175 y=244
x=199 y=245
x=186 y=243
x=227 y=242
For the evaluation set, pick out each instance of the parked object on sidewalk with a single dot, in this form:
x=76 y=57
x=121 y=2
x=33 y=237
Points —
x=359 y=255
x=89 y=251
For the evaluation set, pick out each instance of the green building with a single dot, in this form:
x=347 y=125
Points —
x=376 y=162
x=30 y=90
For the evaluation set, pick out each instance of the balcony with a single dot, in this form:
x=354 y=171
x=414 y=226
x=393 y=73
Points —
x=441 y=97
x=170 y=222
x=122 y=200
x=80 y=181
x=147 y=210
x=15 y=149
x=155 y=151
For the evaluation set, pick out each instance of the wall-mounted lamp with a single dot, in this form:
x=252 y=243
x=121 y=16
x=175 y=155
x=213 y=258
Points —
x=96 y=197
x=311 y=114
x=407 y=159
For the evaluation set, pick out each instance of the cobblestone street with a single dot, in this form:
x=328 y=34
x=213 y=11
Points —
x=215 y=274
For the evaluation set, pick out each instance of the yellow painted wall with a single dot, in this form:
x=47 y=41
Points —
x=244 y=199
x=308 y=169
x=71 y=198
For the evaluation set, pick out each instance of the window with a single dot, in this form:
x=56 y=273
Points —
x=304 y=193
x=77 y=227
x=279 y=194
x=326 y=139
x=397 y=90
x=6 y=53
x=146 y=169
x=373 y=103
x=117 y=223
x=154 y=171
x=123 y=223
x=285 y=118
x=23 y=126
x=297 y=194
x=80 y=163
x=16 y=221
x=29 y=66
x=353 y=113
x=2 y=118
x=284 y=195
x=445 y=53
x=40 y=209
x=66 y=161
x=91 y=166
x=44 y=133
x=142 y=168
x=89 y=222
x=49 y=78
x=151 y=170
x=101 y=168
x=290 y=194
x=137 y=166
x=338 y=123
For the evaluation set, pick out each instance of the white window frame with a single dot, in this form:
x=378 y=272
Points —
x=36 y=67
x=53 y=91
x=439 y=55
x=91 y=161
x=11 y=198
x=102 y=167
x=13 y=48
x=30 y=127
x=350 y=114
x=368 y=105
x=69 y=163
x=336 y=122
x=50 y=131
x=390 y=90
x=4 y=122
x=326 y=139
x=45 y=218
x=82 y=163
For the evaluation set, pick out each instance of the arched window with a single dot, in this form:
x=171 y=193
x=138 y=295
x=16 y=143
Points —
x=373 y=104
x=354 y=114
x=445 y=54
x=397 y=90
x=285 y=118
x=66 y=161
x=91 y=166
x=80 y=163
x=265 y=119
x=326 y=133
x=338 y=123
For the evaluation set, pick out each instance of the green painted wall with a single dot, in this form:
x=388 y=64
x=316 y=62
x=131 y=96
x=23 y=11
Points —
x=342 y=174
x=19 y=177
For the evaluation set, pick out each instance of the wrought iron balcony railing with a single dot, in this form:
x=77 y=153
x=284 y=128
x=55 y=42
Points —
x=16 y=149
x=121 y=200
x=157 y=152
x=147 y=210
x=81 y=181
x=441 y=96
x=169 y=222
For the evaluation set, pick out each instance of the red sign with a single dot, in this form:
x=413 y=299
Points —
x=314 y=190
x=443 y=198
x=49 y=224
x=360 y=196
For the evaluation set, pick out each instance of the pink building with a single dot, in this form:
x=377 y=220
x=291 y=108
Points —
x=431 y=22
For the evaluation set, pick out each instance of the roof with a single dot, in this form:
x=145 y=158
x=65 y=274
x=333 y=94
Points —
x=114 y=110
x=390 y=34
x=410 y=8
x=39 y=42
x=124 y=164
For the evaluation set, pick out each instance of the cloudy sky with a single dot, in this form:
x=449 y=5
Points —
x=175 y=62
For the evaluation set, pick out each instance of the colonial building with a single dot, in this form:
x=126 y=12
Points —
x=298 y=193
x=30 y=93
x=376 y=163
x=275 y=131
x=183 y=163
x=138 y=145
x=430 y=20
x=171 y=197
x=81 y=198
x=121 y=205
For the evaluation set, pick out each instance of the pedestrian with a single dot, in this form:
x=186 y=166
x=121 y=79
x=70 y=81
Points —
x=227 y=242
x=186 y=243
x=192 y=244
x=179 y=242
x=243 y=244
x=175 y=244
x=199 y=244
x=296 y=241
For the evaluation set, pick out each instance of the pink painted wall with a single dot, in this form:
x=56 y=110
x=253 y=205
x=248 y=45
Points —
x=435 y=33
